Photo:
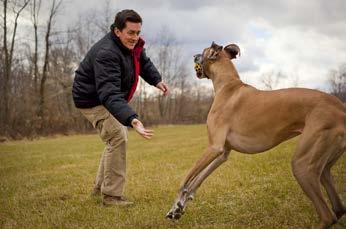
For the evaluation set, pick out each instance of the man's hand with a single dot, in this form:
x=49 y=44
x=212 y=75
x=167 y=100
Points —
x=138 y=126
x=163 y=87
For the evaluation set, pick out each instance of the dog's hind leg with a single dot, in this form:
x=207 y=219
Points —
x=328 y=182
x=313 y=152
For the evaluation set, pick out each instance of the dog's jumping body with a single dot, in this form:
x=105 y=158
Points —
x=248 y=120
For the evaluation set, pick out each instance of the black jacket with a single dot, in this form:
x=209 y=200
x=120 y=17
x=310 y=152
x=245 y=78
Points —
x=106 y=75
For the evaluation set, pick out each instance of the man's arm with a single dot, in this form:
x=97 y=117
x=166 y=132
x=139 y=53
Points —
x=108 y=84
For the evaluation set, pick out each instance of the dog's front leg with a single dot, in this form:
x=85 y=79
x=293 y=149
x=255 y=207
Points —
x=217 y=138
x=206 y=172
x=209 y=158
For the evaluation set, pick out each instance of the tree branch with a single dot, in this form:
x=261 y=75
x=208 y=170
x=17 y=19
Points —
x=26 y=2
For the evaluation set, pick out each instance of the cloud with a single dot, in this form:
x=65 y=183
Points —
x=304 y=38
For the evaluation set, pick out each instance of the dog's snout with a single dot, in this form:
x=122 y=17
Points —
x=198 y=58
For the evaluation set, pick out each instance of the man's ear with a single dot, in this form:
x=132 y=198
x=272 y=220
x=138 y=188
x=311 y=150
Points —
x=116 y=31
x=232 y=50
x=214 y=51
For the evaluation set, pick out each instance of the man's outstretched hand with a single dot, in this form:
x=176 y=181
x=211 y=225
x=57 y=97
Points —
x=138 y=126
x=163 y=87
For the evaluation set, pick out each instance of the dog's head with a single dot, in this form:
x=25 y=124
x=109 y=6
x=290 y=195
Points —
x=211 y=55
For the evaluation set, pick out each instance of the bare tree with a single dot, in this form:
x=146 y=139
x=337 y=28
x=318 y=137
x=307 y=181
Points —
x=89 y=27
x=170 y=63
x=8 y=52
x=182 y=93
x=35 y=10
x=337 y=81
x=62 y=68
x=53 y=12
x=271 y=79
x=104 y=17
x=86 y=33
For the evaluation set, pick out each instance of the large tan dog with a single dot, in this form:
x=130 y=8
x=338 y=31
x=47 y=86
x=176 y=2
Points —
x=251 y=121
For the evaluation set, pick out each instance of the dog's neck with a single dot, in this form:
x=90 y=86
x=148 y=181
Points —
x=223 y=73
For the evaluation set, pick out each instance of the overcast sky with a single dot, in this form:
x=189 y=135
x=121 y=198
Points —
x=303 y=39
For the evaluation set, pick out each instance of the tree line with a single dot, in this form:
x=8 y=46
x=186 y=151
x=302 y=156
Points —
x=37 y=74
x=38 y=61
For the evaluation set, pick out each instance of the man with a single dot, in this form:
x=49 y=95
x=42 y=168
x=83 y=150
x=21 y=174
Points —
x=104 y=83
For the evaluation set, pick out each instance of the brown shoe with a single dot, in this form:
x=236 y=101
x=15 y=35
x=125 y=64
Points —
x=115 y=200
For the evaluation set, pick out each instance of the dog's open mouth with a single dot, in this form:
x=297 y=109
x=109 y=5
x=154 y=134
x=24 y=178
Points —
x=199 y=70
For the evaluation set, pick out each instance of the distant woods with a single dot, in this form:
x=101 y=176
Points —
x=337 y=81
x=37 y=65
x=38 y=59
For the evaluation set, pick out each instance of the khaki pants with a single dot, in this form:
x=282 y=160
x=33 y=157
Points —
x=112 y=169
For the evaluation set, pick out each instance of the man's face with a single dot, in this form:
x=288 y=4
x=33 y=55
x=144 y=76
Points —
x=130 y=34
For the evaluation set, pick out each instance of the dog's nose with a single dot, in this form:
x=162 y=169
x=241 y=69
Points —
x=197 y=58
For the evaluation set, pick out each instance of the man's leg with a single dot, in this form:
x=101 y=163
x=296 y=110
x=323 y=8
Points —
x=114 y=159
x=99 y=176
x=112 y=168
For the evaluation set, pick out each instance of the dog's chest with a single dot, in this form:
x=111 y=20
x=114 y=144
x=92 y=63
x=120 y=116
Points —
x=249 y=144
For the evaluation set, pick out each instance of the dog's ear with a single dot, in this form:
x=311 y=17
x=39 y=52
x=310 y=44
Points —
x=232 y=50
x=214 y=51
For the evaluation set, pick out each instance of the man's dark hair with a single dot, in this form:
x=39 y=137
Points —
x=123 y=16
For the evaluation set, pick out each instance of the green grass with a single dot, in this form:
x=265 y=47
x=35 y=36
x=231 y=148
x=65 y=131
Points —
x=47 y=184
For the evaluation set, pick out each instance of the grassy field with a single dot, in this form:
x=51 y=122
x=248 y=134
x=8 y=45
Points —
x=47 y=184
